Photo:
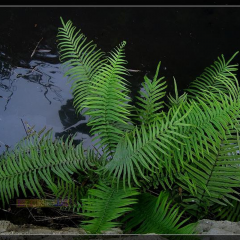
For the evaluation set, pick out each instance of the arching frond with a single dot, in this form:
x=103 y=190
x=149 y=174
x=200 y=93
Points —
x=35 y=160
x=214 y=78
x=149 y=100
x=210 y=120
x=157 y=215
x=229 y=212
x=105 y=204
x=81 y=59
x=215 y=176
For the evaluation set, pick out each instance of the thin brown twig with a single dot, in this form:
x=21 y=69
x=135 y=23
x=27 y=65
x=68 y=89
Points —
x=152 y=192
x=31 y=214
x=36 y=47
x=59 y=212
x=24 y=127
x=97 y=150
x=52 y=218
x=33 y=69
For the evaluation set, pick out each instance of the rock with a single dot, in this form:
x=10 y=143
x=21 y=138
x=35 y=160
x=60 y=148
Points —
x=212 y=227
x=205 y=226
x=6 y=226
x=113 y=231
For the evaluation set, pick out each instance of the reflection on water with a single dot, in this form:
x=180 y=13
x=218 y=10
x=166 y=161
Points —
x=73 y=123
x=36 y=93
x=35 y=74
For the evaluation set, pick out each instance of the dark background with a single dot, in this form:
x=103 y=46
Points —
x=185 y=39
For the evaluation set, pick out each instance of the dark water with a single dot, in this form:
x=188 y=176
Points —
x=185 y=39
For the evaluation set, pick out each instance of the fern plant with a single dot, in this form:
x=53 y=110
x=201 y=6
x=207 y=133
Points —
x=165 y=163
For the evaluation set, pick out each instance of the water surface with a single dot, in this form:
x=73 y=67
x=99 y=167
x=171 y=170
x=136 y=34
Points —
x=33 y=89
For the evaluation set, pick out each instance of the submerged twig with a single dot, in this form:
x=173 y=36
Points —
x=52 y=218
x=133 y=70
x=24 y=127
x=33 y=69
x=36 y=47
x=6 y=146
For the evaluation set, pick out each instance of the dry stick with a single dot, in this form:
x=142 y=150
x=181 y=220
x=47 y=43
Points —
x=97 y=150
x=31 y=214
x=24 y=127
x=2 y=143
x=153 y=192
x=33 y=69
x=59 y=212
x=133 y=70
x=6 y=146
x=36 y=47
x=51 y=218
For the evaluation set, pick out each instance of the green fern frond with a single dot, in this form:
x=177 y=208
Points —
x=99 y=85
x=149 y=100
x=71 y=191
x=214 y=77
x=108 y=102
x=215 y=176
x=210 y=120
x=105 y=204
x=178 y=99
x=157 y=215
x=230 y=213
x=35 y=160
x=82 y=60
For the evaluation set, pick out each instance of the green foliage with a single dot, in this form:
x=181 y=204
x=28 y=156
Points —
x=149 y=98
x=98 y=85
x=104 y=204
x=189 y=149
x=157 y=215
x=230 y=213
x=178 y=99
x=107 y=104
x=137 y=151
x=214 y=78
x=213 y=178
x=72 y=192
x=35 y=160
x=81 y=60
